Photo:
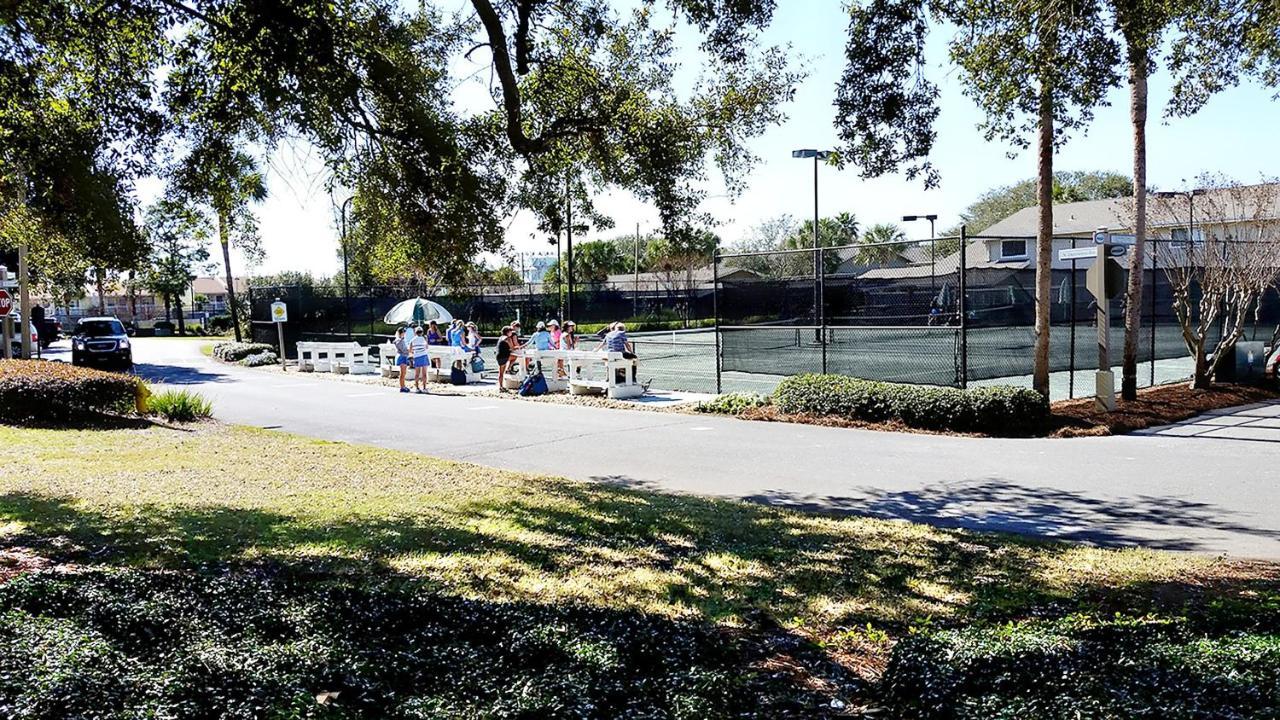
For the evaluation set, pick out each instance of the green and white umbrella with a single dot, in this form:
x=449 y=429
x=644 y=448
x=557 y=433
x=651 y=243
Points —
x=416 y=310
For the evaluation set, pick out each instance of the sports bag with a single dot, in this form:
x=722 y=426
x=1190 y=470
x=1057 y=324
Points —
x=534 y=385
x=457 y=376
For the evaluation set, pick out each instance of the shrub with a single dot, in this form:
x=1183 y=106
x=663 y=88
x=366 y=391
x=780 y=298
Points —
x=54 y=391
x=237 y=351
x=1078 y=667
x=732 y=403
x=219 y=325
x=260 y=359
x=180 y=406
x=999 y=410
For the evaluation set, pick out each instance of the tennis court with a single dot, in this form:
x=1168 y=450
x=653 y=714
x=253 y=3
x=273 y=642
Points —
x=758 y=358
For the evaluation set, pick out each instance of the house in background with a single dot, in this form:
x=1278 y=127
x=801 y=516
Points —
x=205 y=297
x=209 y=294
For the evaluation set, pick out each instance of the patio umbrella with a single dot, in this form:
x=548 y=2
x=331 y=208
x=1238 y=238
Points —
x=415 y=311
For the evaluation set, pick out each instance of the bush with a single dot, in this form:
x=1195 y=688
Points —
x=732 y=403
x=1077 y=667
x=260 y=359
x=54 y=391
x=999 y=410
x=237 y=351
x=180 y=406
x=219 y=325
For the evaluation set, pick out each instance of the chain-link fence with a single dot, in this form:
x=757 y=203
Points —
x=947 y=312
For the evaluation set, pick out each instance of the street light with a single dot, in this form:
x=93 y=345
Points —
x=346 y=273
x=819 y=311
x=1191 y=196
x=933 y=248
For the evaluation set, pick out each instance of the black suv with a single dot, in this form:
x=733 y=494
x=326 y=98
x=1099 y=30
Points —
x=101 y=341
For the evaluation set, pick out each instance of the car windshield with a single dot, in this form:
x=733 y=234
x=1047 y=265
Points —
x=100 y=328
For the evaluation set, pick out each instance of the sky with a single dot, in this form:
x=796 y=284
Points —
x=1233 y=135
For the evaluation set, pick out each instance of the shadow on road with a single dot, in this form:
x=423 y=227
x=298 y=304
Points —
x=995 y=505
x=177 y=374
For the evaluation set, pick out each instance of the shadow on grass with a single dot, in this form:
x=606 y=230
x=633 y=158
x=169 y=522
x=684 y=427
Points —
x=620 y=547
x=88 y=420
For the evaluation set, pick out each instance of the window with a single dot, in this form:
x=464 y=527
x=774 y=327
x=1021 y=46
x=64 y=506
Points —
x=1013 y=249
x=1180 y=235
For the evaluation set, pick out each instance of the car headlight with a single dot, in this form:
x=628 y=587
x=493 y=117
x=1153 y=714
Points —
x=124 y=344
x=78 y=344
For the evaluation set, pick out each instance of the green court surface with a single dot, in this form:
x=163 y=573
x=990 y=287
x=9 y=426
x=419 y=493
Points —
x=758 y=359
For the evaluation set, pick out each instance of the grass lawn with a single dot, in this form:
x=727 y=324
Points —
x=821 y=601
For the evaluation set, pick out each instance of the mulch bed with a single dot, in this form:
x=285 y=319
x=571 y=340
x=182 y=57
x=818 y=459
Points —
x=1162 y=405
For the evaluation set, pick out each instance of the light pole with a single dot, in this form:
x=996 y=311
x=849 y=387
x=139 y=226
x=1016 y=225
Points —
x=933 y=249
x=346 y=272
x=819 y=311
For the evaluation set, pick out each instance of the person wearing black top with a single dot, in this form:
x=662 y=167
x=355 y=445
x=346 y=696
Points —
x=504 y=355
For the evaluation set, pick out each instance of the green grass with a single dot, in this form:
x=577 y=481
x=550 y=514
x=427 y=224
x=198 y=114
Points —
x=159 y=498
x=180 y=406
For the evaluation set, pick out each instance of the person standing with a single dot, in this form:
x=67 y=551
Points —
x=402 y=356
x=541 y=338
x=553 y=326
x=505 y=351
x=418 y=351
x=456 y=333
x=569 y=338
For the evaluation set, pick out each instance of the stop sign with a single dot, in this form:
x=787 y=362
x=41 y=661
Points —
x=6 y=303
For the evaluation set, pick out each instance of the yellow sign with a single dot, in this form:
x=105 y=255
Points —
x=279 y=313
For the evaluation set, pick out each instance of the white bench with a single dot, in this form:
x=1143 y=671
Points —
x=449 y=356
x=598 y=372
x=530 y=360
x=348 y=357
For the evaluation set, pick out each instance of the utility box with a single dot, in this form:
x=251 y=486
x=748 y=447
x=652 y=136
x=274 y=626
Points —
x=1246 y=366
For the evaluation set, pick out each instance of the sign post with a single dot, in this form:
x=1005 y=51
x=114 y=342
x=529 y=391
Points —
x=6 y=307
x=1104 y=281
x=280 y=315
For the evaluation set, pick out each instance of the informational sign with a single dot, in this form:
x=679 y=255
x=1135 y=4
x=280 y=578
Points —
x=1116 y=239
x=279 y=312
x=1105 y=279
x=6 y=303
x=1084 y=253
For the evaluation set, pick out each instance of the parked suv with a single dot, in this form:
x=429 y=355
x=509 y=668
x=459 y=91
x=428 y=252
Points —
x=101 y=341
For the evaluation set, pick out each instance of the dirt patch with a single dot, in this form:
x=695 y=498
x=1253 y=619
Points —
x=15 y=561
x=1154 y=407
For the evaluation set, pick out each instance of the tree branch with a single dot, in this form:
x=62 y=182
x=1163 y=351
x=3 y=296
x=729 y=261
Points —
x=520 y=142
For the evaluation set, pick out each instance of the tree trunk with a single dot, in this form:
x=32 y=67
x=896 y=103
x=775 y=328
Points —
x=182 y=321
x=168 y=307
x=226 y=263
x=1044 y=242
x=1137 y=259
x=100 y=276
x=1201 y=379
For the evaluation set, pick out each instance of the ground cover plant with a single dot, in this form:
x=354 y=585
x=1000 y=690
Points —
x=750 y=594
x=38 y=391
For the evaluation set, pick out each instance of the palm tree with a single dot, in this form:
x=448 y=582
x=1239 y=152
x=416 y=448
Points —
x=881 y=243
x=227 y=180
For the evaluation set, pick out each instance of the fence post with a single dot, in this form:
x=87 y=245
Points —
x=1071 y=363
x=963 y=305
x=1155 y=254
x=715 y=308
x=822 y=304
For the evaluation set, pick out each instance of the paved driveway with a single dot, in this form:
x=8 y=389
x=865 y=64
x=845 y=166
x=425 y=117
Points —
x=1211 y=485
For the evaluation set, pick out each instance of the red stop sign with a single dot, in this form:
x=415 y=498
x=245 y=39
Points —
x=6 y=303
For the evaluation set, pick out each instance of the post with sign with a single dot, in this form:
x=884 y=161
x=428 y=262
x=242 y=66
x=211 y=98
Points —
x=280 y=315
x=6 y=307
x=1104 y=281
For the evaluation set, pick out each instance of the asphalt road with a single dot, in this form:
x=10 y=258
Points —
x=1211 y=485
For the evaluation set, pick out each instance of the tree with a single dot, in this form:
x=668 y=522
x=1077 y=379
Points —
x=1241 y=37
x=1035 y=68
x=506 y=275
x=228 y=182
x=179 y=236
x=765 y=238
x=1217 y=281
x=881 y=243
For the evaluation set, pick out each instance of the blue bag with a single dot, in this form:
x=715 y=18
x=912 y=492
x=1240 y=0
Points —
x=477 y=364
x=534 y=385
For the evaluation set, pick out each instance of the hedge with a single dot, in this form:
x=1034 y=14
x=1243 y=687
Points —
x=1078 y=667
x=237 y=351
x=997 y=410
x=55 y=391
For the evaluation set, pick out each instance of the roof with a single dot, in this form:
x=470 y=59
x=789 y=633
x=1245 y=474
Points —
x=1082 y=218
